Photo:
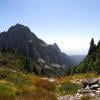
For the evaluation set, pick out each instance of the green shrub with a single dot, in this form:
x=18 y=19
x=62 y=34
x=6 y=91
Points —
x=67 y=88
x=7 y=89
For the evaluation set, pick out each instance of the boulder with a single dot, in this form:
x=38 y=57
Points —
x=84 y=83
x=94 y=87
x=94 y=81
x=92 y=94
x=98 y=89
x=97 y=92
x=87 y=87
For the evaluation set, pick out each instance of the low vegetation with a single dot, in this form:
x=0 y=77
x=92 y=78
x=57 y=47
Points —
x=16 y=85
x=67 y=88
x=86 y=98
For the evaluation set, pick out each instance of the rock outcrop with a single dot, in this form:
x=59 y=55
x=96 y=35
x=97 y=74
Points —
x=90 y=87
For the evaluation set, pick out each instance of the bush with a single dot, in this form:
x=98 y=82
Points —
x=7 y=89
x=68 y=88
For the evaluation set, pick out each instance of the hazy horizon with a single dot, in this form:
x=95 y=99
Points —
x=69 y=23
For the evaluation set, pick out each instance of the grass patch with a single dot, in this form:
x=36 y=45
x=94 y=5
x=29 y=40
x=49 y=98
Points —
x=67 y=88
x=86 y=98
x=7 y=89
x=65 y=79
x=45 y=84
x=16 y=85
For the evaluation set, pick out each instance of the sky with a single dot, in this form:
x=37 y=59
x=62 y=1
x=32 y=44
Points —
x=69 y=23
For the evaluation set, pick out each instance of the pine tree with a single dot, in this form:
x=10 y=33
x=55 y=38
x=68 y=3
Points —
x=92 y=47
x=27 y=64
x=98 y=45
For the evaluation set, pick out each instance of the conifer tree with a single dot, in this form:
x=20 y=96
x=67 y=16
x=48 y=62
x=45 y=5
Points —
x=92 y=47
x=98 y=45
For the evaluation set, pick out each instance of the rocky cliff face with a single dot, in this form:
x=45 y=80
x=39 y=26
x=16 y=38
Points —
x=28 y=44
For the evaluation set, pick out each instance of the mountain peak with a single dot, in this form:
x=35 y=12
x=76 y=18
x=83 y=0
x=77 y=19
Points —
x=19 y=27
x=56 y=47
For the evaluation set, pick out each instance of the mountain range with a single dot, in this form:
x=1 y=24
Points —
x=21 y=39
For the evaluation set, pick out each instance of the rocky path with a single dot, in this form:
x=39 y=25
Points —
x=67 y=97
x=49 y=79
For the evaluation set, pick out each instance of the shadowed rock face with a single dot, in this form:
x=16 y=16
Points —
x=27 y=43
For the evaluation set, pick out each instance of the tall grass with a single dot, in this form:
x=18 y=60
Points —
x=19 y=86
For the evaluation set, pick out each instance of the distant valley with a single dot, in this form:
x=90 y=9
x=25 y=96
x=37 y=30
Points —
x=77 y=58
